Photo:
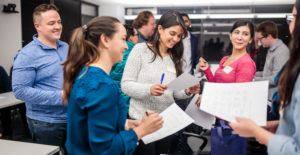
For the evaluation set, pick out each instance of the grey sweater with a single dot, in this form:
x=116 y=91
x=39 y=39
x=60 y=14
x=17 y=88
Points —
x=140 y=74
x=277 y=56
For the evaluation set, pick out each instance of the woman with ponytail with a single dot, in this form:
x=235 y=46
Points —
x=286 y=139
x=96 y=109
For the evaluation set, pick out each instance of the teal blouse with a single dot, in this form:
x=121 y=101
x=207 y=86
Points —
x=96 y=116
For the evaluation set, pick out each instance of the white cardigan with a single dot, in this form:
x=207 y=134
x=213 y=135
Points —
x=140 y=74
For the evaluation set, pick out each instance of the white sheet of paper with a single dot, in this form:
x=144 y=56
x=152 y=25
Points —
x=174 y=120
x=2 y=97
x=185 y=80
x=201 y=118
x=229 y=100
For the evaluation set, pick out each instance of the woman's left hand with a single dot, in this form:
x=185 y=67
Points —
x=244 y=127
x=194 y=89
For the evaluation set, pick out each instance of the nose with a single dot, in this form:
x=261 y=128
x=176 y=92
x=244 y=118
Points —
x=126 y=46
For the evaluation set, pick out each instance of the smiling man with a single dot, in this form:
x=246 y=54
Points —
x=38 y=77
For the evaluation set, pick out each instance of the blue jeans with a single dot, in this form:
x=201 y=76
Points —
x=47 y=133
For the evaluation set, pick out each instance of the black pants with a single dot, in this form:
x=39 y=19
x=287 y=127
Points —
x=164 y=146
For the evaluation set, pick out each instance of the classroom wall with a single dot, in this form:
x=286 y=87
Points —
x=10 y=34
x=114 y=10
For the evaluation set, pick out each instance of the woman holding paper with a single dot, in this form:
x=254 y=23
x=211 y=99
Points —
x=96 y=108
x=151 y=65
x=286 y=140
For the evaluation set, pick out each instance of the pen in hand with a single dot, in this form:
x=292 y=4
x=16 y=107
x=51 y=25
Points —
x=147 y=113
x=162 y=78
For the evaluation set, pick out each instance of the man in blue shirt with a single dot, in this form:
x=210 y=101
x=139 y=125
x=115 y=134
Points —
x=38 y=77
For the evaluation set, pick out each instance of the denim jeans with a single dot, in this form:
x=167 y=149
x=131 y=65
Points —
x=47 y=133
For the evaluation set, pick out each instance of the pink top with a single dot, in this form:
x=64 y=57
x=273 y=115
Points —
x=241 y=70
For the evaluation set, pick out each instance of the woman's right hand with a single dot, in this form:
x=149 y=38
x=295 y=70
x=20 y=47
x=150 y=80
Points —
x=203 y=65
x=198 y=102
x=158 y=89
x=149 y=124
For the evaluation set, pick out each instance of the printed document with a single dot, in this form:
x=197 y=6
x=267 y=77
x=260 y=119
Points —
x=185 y=80
x=201 y=118
x=229 y=100
x=174 y=120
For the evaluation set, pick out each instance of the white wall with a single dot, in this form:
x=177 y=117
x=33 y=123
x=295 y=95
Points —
x=10 y=34
x=114 y=10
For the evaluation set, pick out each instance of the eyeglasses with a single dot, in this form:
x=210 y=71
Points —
x=260 y=38
x=289 y=18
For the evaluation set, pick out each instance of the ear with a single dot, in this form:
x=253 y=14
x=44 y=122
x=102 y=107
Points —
x=160 y=29
x=104 y=41
x=37 y=26
x=250 y=41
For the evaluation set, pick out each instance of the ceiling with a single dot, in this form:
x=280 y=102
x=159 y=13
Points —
x=172 y=3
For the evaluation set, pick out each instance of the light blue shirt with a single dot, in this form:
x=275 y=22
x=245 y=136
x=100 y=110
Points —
x=37 y=80
x=286 y=141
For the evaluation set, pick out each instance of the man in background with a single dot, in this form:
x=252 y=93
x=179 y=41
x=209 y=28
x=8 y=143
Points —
x=145 y=25
x=38 y=77
x=277 y=55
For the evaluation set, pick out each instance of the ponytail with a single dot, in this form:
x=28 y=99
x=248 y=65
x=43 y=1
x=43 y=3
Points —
x=83 y=49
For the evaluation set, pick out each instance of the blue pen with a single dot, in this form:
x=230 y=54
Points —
x=162 y=78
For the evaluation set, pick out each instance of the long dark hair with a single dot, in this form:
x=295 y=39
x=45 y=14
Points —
x=287 y=79
x=168 y=19
x=240 y=23
x=83 y=48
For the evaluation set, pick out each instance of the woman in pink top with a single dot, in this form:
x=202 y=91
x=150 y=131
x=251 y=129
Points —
x=237 y=67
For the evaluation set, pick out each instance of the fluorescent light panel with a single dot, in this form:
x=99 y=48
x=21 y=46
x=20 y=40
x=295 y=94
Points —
x=224 y=16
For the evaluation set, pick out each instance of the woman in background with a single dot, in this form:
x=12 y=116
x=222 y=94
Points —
x=286 y=140
x=237 y=67
x=96 y=109
x=116 y=72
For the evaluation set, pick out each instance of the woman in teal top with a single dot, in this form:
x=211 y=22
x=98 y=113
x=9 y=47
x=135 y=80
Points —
x=116 y=72
x=97 y=112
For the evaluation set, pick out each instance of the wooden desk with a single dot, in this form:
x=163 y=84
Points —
x=9 y=147
x=8 y=100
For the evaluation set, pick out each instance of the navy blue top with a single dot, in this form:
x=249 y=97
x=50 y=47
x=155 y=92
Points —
x=97 y=115
x=37 y=79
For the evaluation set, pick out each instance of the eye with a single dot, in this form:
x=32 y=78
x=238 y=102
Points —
x=236 y=32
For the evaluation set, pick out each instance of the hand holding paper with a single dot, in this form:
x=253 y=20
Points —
x=230 y=100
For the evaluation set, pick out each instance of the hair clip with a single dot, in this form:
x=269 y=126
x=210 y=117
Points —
x=84 y=27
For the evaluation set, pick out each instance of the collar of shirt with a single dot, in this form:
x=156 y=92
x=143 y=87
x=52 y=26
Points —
x=275 y=45
x=43 y=46
x=141 y=35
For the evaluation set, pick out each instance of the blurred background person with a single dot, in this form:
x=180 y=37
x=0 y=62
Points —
x=116 y=72
x=145 y=25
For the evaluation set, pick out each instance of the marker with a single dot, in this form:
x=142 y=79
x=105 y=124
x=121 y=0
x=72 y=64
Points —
x=162 y=78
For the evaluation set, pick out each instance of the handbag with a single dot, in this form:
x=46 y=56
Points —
x=224 y=142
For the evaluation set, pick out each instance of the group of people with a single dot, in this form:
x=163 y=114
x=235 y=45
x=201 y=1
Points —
x=103 y=92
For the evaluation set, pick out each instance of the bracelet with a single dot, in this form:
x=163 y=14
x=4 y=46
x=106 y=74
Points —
x=187 y=93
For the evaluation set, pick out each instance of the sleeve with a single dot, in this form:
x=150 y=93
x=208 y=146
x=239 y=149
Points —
x=209 y=75
x=180 y=94
x=278 y=62
x=282 y=144
x=245 y=71
x=129 y=83
x=5 y=81
x=24 y=74
x=105 y=137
